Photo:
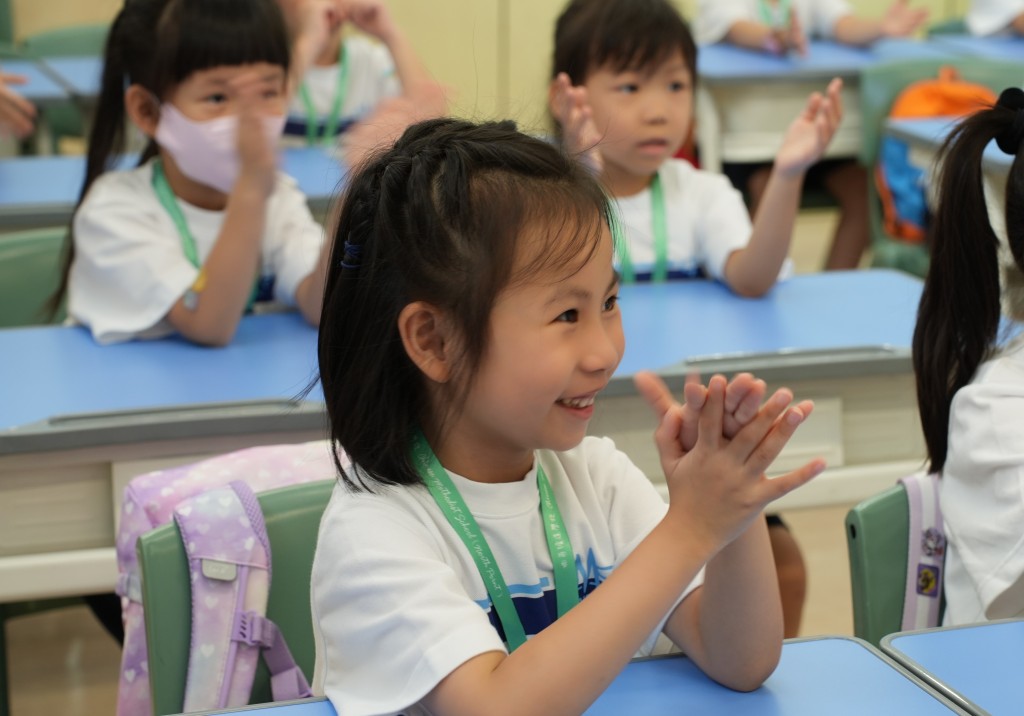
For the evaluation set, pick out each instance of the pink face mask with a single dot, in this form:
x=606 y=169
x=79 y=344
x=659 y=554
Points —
x=207 y=152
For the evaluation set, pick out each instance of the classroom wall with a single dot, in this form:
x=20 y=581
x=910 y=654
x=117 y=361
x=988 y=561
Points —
x=495 y=55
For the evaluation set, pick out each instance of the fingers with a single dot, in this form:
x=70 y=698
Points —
x=777 y=487
x=741 y=407
x=757 y=431
x=666 y=435
x=655 y=392
x=711 y=415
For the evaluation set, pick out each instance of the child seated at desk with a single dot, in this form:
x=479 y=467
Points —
x=481 y=555
x=622 y=96
x=778 y=26
x=995 y=17
x=970 y=368
x=205 y=226
x=344 y=81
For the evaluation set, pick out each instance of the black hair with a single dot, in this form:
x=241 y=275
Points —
x=621 y=34
x=157 y=44
x=437 y=218
x=958 y=318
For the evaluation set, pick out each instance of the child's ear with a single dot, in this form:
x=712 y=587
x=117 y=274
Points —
x=428 y=340
x=143 y=109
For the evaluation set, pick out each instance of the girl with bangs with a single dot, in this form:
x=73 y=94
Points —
x=205 y=227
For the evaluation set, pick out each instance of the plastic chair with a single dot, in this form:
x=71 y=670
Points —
x=879 y=86
x=67 y=119
x=292 y=516
x=876 y=537
x=30 y=271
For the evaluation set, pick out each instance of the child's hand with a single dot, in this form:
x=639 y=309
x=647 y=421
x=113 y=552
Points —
x=787 y=38
x=17 y=114
x=371 y=17
x=719 y=486
x=809 y=134
x=256 y=152
x=318 y=21
x=901 y=20
x=579 y=133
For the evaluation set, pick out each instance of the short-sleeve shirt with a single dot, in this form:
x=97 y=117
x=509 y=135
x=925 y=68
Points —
x=705 y=217
x=991 y=17
x=130 y=268
x=817 y=17
x=371 y=79
x=398 y=603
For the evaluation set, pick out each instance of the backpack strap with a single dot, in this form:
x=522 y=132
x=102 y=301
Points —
x=926 y=552
x=228 y=550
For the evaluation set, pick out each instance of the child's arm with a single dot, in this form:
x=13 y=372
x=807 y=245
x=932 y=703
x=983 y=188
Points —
x=374 y=18
x=899 y=20
x=318 y=20
x=17 y=114
x=716 y=490
x=226 y=279
x=752 y=270
x=309 y=295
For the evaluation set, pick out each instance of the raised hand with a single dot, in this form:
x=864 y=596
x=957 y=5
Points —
x=719 y=486
x=370 y=16
x=901 y=20
x=17 y=114
x=810 y=133
x=257 y=152
x=580 y=135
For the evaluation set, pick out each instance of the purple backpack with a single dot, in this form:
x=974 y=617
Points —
x=222 y=529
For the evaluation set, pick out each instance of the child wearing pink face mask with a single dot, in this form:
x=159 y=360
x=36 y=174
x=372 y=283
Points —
x=205 y=226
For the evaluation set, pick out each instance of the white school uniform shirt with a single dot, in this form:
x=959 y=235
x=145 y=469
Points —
x=130 y=268
x=371 y=80
x=982 y=493
x=818 y=18
x=992 y=17
x=705 y=217
x=398 y=603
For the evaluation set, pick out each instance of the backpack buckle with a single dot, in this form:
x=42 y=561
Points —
x=254 y=630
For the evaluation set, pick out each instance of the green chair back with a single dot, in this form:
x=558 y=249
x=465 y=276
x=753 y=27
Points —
x=292 y=516
x=30 y=272
x=879 y=87
x=67 y=119
x=954 y=26
x=876 y=537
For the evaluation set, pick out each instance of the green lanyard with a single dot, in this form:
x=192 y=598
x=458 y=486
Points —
x=313 y=120
x=659 y=226
x=457 y=513
x=188 y=244
x=775 y=16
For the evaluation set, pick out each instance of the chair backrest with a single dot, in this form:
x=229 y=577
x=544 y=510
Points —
x=72 y=41
x=292 y=515
x=879 y=86
x=29 y=274
x=876 y=536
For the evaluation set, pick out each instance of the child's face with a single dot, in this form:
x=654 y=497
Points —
x=209 y=94
x=554 y=344
x=643 y=116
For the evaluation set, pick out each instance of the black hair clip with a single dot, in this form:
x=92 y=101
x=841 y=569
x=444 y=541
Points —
x=351 y=259
x=1009 y=140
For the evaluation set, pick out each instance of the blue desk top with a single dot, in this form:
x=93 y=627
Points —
x=43 y=190
x=844 y=321
x=932 y=132
x=40 y=88
x=817 y=676
x=724 y=62
x=977 y=667
x=80 y=75
x=994 y=48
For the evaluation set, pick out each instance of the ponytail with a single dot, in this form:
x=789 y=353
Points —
x=958 y=318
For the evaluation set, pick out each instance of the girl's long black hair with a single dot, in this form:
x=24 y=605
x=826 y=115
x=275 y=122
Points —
x=958 y=318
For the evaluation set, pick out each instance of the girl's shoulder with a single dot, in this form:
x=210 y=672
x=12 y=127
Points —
x=128 y=186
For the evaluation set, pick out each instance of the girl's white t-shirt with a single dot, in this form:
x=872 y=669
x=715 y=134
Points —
x=818 y=18
x=398 y=602
x=130 y=268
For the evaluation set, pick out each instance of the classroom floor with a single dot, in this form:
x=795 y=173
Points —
x=63 y=662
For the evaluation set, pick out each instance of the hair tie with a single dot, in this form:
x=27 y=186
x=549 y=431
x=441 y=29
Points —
x=1009 y=140
x=351 y=259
